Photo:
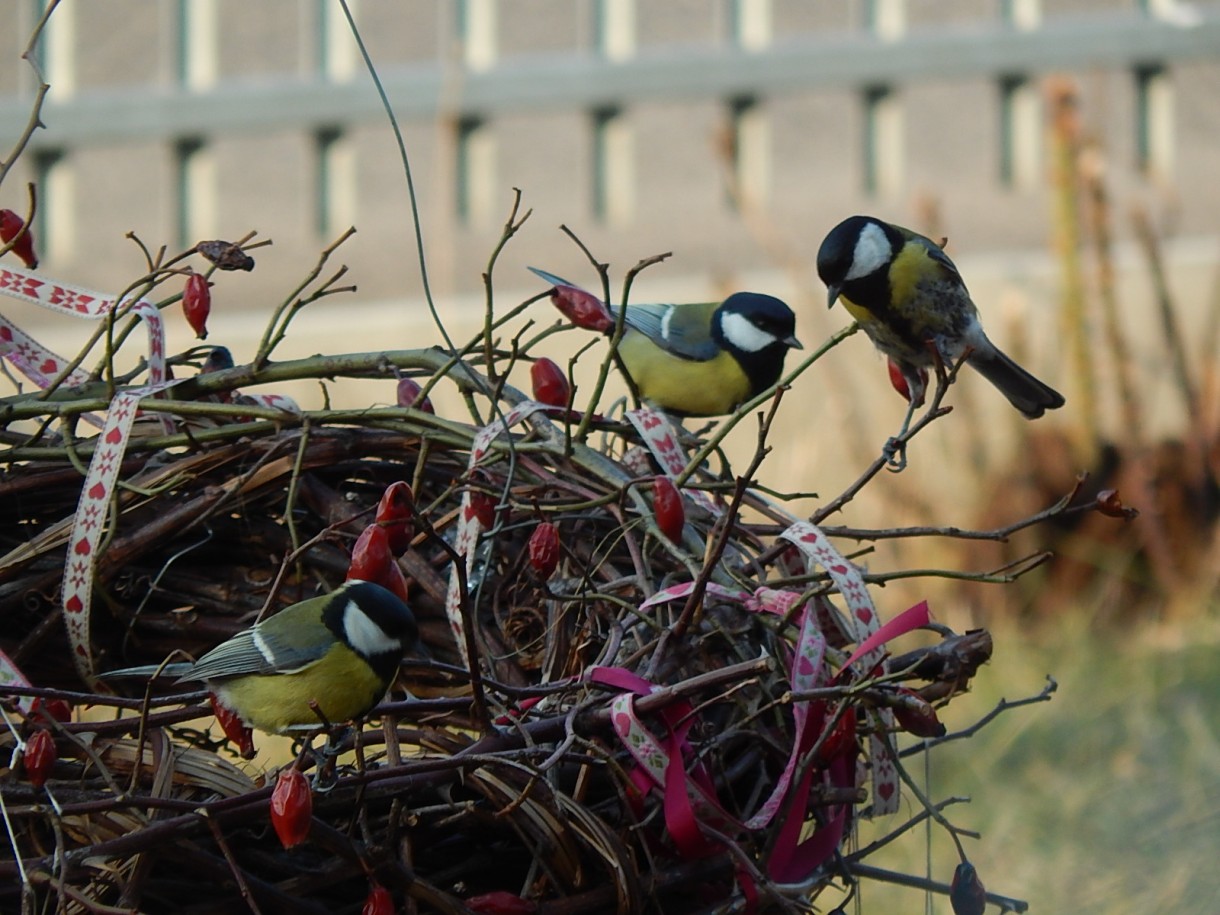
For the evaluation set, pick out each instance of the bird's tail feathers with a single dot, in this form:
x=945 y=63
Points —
x=174 y=671
x=1023 y=390
x=552 y=278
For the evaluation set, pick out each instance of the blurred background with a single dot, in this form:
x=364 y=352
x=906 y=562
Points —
x=1066 y=148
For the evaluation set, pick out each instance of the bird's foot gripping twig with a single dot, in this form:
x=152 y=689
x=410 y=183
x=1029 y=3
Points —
x=895 y=450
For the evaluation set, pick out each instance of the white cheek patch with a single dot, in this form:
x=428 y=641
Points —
x=744 y=335
x=872 y=252
x=365 y=636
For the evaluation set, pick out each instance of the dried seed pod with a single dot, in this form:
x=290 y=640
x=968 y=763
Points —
x=40 y=755
x=291 y=807
x=544 y=549
x=1109 y=503
x=10 y=227
x=225 y=255
x=197 y=304
x=550 y=384
x=667 y=507
x=915 y=715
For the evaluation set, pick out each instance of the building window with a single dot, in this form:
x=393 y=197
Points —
x=887 y=19
x=882 y=143
x=56 y=50
x=1021 y=14
x=335 y=182
x=749 y=152
x=197 y=43
x=1153 y=121
x=1019 y=132
x=750 y=23
x=476 y=29
x=612 y=167
x=614 y=28
x=54 y=219
x=474 y=173
x=335 y=48
x=194 y=191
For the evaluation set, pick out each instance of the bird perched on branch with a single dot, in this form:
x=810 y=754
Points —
x=910 y=299
x=702 y=359
x=340 y=652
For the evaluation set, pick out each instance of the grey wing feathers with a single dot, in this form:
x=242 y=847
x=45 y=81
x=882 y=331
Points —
x=938 y=254
x=255 y=651
x=671 y=328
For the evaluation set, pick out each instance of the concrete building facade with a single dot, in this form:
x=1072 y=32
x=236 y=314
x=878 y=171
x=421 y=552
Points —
x=731 y=132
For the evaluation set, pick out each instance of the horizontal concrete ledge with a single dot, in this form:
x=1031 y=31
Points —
x=585 y=81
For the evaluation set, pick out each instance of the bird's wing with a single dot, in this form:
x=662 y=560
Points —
x=261 y=650
x=937 y=253
x=683 y=330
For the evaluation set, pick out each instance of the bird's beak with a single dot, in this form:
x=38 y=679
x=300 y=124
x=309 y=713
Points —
x=833 y=297
x=792 y=342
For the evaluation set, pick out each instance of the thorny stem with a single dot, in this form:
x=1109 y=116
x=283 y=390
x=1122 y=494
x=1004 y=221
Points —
x=512 y=225
x=277 y=329
x=35 y=119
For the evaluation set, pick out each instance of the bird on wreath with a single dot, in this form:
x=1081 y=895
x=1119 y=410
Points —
x=909 y=297
x=326 y=659
x=698 y=359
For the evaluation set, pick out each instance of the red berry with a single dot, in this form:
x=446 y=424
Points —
x=234 y=728
x=582 y=308
x=291 y=807
x=40 y=755
x=379 y=901
x=544 y=549
x=10 y=227
x=197 y=304
x=371 y=555
x=841 y=740
x=395 y=512
x=501 y=902
x=550 y=384
x=967 y=894
x=667 y=506
x=45 y=709
x=899 y=381
x=408 y=395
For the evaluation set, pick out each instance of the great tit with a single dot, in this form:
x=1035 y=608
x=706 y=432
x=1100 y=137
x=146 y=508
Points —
x=707 y=358
x=909 y=298
x=340 y=651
